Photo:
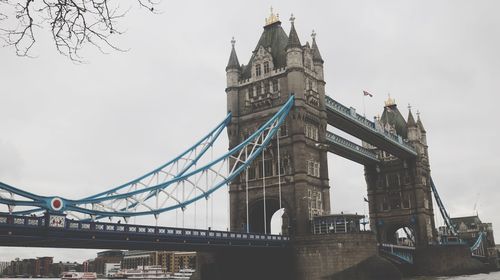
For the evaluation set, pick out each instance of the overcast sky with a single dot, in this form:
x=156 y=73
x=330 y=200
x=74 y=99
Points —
x=75 y=129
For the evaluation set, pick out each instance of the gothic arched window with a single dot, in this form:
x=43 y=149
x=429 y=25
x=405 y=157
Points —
x=266 y=67
x=257 y=70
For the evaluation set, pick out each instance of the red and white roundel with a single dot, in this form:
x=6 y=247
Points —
x=56 y=203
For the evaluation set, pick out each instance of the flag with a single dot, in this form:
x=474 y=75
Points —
x=366 y=200
x=365 y=93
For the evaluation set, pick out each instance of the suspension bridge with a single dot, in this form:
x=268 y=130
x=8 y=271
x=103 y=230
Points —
x=278 y=128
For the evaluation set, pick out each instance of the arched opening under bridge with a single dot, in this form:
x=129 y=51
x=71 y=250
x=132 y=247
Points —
x=273 y=216
x=403 y=235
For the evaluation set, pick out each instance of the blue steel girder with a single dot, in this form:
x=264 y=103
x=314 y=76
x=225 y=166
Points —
x=176 y=167
x=139 y=202
x=399 y=254
x=348 y=120
x=349 y=150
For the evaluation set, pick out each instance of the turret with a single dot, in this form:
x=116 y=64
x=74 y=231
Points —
x=293 y=48
x=233 y=67
x=317 y=59
x=412 y=127
x=422 y=129
x=233 y=71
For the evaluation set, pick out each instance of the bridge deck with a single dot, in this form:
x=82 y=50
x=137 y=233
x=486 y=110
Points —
x=46 y=232
x=348 y=120
x=349 y=150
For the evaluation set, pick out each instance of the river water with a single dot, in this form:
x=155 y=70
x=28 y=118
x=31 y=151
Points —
x=482 y=276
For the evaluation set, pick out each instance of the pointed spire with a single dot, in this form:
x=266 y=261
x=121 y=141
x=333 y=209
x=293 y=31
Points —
x=293 y=38
x=419 y=123
x=411 y=120
x=316 y=54
x=233 y=62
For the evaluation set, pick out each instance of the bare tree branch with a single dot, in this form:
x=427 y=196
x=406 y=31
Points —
x=73 y=23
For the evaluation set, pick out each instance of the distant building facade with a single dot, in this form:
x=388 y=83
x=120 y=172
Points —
x=469 y=229
x=98 y=264
x=169 y=261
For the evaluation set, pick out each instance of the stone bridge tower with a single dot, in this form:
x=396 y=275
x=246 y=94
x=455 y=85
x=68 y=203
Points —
x=280 y=66
x=399 y=190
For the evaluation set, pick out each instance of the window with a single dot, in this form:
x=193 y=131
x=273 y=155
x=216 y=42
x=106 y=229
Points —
x=268 y=168
x=283 y=130
x=275 y=86
x=266 y=87
x=266 y=67
x=406 y=201
x=385 y=205
x=257 y=70
x=251 y=92
x=312 y=168
x=258 y=89
x=284 y=165
x=311 y=131
x=395 y=202
x=252 y=174
x=393 y=180
x=315 y=203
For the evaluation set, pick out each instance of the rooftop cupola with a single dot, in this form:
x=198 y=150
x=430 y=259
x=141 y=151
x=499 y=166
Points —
x=273 y=19
x=393 y=118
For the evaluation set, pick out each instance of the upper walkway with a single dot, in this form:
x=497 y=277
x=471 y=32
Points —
x=349 y=150
x=348 y=120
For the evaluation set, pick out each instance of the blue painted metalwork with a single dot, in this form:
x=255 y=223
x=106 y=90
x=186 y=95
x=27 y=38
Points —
x=403 y=254
x=95 y=206
x=357 y=149
x=348 y=113
x=442 y=209
x=478 y=242
x=44 y=203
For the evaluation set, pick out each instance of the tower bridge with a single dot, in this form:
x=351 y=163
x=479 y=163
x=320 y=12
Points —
x=277 y=125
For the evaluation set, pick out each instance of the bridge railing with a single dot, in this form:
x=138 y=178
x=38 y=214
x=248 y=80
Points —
x=402 y=253
x=62 y=223
x=348 y=112
x=351 y=146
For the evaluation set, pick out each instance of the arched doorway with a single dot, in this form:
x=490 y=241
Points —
x=273 y=216
x=403 y=235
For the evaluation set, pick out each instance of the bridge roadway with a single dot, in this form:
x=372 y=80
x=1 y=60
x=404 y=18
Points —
x=348 y=120
x=56 y=231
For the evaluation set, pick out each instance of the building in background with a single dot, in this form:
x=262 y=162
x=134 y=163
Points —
x=43 y=266
x=98 y=264
x=3 y=267
x=21 y=268
x=58 y=268
x=469 y=229
x=111 y=269
x=169 y=261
